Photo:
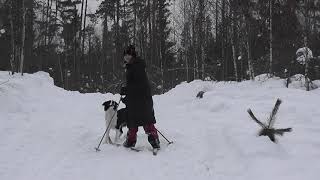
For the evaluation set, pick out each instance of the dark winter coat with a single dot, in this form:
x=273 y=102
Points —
x=139 y=101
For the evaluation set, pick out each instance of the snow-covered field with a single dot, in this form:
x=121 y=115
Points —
x=49 y=133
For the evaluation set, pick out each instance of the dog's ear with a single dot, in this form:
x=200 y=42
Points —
x=106 y=105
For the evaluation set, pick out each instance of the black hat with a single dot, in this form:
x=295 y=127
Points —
x=130 y=50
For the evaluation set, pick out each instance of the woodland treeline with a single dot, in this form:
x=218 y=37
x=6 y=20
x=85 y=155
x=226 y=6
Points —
x=223 y=40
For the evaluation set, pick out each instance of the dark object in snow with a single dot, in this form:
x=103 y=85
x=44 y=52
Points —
x=200 y=94
x=268 y=130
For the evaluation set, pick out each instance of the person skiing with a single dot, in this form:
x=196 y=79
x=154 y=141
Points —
x=138 y=100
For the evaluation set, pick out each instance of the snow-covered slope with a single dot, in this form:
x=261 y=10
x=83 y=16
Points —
x=49 y=133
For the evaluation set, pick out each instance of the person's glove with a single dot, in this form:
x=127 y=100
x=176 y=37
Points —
x=123 y=91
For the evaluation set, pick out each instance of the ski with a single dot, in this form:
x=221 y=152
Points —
x=131 y=148
x=135 y=149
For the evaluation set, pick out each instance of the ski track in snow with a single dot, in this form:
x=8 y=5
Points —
x=49 y=133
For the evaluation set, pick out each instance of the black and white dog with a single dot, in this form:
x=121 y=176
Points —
x=115 y=119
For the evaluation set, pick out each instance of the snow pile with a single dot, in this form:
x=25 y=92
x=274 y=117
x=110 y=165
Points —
x=298 y=81
x=49 y=133
x=16 y=91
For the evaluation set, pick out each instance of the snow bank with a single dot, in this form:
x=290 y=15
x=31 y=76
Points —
x=49 y=133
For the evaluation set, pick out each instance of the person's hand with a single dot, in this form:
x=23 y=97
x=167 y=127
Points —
x=123 y=91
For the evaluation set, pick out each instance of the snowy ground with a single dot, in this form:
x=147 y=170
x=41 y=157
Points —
x=49 y=133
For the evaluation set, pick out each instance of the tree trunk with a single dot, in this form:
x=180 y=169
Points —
x=150 y=33
x=135 y=21
x=234 y=57
x=216 y=34
x=216 y=21
x=61 y=72
x=57 y=6
x=193 y=41
x=223 y=32
x=84 y=28
x=83 y=39
x=233 y=42
x=75 y=63
x=271 y=39
x=154 y=34
x=201 y=32
x=56 y=18
x=47 y=23
x=29 y=37
x=114 y=53
x=13 y=46
x=117 y=43
x=185 y=52
x=105 y=43
x=241 y=59
x=49 y=20
x=306 y=73
x=23 y=37
x=250 y=65
x=81 y=19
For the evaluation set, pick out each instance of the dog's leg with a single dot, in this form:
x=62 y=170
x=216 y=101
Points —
x=118 y=134
x=107 y=119
x=107 y=138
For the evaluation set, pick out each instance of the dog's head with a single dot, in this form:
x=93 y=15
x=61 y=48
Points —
x=109 y=104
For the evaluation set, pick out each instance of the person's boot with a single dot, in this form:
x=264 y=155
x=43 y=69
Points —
x=153 y=137
x=131 y=138
x=154 y=141
x=129 y=144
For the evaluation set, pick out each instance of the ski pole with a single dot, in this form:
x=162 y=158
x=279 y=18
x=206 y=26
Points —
x=104 y=134
x=170 y=142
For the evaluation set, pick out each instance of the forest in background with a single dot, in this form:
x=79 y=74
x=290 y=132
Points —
x=223 y=40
